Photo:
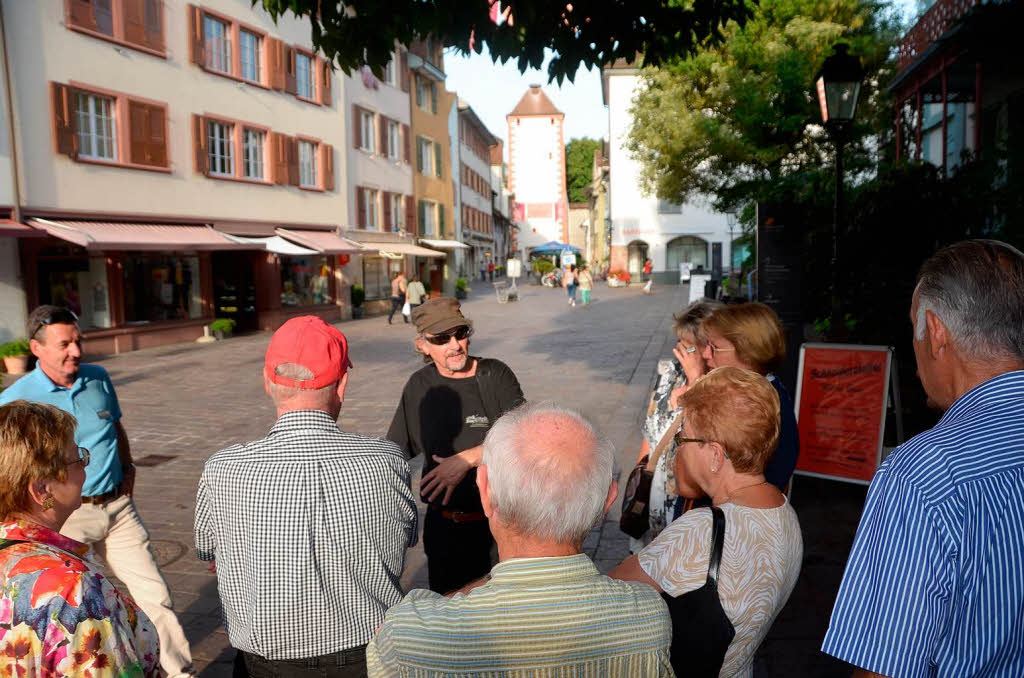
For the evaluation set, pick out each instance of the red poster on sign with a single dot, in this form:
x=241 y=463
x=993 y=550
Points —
x=841 y=400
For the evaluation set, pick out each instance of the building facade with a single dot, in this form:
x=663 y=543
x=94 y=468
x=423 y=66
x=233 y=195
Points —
x=536 y=158
x=644 y=227
x=503 y=199
x=176 y=163
x=600 y=232
x=474 y=183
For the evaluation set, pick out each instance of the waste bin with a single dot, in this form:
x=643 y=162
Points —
x=711 y=289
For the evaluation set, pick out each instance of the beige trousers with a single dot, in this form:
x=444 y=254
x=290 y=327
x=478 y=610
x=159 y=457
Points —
x=117 y=535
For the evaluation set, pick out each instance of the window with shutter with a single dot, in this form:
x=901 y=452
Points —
x=196 y=38
x=218 y=48
x=275 y=52
x=134 y=23
x=307 y=164
x=290 y=83
x=147 y=139
x=387 y=223
x=360 y=208
x=438 y=167
x=407 y=141
x=419 y=154
x=251 y=52
x=199 y=144
x=433 y=97
x=357 y=127
x=325 y=88
x=382 y=141
x=328 y=164
x=292 y=146
x=440 y=219
x=64 y=135
x=279 y=158
x=96 y=126
x=410 y=214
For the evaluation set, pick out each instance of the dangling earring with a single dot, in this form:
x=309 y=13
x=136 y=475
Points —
x=48 y=503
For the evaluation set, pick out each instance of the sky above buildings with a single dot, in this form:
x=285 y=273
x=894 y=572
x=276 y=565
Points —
x=493 y=90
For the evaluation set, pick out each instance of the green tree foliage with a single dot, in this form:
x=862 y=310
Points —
x=738 y=116
x=584 y=33
x=579 y=166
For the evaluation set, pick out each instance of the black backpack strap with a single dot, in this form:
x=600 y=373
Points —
x=717 y=543
x=4 y=543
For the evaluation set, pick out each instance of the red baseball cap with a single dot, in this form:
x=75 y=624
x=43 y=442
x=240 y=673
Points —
x=308 y=341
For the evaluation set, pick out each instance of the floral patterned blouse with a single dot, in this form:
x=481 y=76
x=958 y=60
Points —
x=60 y=617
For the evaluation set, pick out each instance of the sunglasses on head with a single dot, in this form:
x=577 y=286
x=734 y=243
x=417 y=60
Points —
x=61 y=316
x=459 y=333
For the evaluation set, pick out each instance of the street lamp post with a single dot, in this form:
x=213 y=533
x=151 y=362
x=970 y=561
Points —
x=838 y=86
x=731 y=218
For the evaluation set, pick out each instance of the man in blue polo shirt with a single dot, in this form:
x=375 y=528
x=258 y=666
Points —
x=934 y=585
x=107 y=519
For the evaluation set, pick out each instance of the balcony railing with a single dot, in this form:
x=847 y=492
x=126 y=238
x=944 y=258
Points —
x=932 y=24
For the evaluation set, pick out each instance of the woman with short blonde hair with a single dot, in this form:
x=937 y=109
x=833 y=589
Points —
x=750 y=336
x=726 y=570
x=64 y=618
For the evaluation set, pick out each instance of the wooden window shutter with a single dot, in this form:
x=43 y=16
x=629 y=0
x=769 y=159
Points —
x=199 y=142
x=279 y=158
x=275 y=63
x=433 y=97
x=327 y=162
x=196 y=38
x=65 y=135
x=290 y=84
x=138 y=118
x=440 y=220
x=382 y=134
x=438 y=168
x=153 y=19
x=410 y=214
x=156 y=147
x=419 y=154
x=133 y=12
x=422 y=220
x=360 y=207
x=325 y=90
x=292 y=145
x=81 y=14
x=403 y=76
x=386 y=199
x=357 y=127
x=407 y=140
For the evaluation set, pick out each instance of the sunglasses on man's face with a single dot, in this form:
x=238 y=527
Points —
x=459 y=333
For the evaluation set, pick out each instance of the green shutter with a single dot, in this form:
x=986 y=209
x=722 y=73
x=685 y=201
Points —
x=440 y=220
x=419 y=154
x=438 y=167
x=422 y=214
x=433 y=97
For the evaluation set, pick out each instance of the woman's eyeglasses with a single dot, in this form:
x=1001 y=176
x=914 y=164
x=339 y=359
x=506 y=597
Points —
x=681 y=440
x=459 y=333
x=719 y=349
x=83 y=456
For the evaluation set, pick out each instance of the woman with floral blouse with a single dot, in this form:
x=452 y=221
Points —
x=59 y=616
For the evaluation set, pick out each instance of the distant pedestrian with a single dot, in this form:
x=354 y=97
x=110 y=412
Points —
x=571 y=283
x=649 y=281
x=490 y=269
x=483 y=269
x=415 y=293
x=934 y=585
x=444 y=413
x=309 y=526
x=107 y=519
x=586 y=282
x=398 y=288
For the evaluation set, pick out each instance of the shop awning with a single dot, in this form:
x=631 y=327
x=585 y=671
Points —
x=274 y=243
x=13 y=229
x=115 y=235
x=444 y=244
x=404 y=248
x=324 y=242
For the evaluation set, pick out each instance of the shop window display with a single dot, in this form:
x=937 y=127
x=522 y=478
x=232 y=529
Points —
x=304 y=281
x=160 y=288
x=79 y=284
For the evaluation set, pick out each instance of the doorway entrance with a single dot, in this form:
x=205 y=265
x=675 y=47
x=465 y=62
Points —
x=637 y=251
x=234 y=289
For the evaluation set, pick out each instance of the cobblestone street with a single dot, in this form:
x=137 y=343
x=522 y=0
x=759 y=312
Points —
x=181 y=403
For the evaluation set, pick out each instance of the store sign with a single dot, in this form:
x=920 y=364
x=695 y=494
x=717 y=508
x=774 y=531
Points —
x=841 y=398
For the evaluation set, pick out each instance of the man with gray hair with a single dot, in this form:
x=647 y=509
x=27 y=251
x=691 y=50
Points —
x=545 y=480
x=934 y=585
x=309 y=526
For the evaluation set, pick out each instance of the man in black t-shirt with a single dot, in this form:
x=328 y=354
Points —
x=444 y=414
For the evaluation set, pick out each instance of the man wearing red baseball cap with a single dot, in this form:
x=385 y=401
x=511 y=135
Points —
x=309 y=525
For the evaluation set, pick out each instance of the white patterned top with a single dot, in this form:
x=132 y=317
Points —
x=760 y=564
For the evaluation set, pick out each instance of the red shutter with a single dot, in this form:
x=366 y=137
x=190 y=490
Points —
x=275 y=63
x=386 y=199
x=407 y=140
x=360 y=208
x=153 y=19
x=292 y=145
x=134 y=22
x=199 y=143
x=410 y=214
x=290 y=85
x=138 y=132
x=382 y=135
x=157 y=142
x=327 y=154
x=325 y=70
x=403 y=76
x=196 y=39
x=80 y=14
x=357 y=127
x=278 y=158
x=65 y=140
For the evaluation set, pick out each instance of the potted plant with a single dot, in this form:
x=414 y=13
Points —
x=15 y=354
x=358 y=297
x=618 y=278
x=460 y=288
x=222 y=327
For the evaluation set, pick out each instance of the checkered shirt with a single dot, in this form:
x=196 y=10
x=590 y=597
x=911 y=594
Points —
x=309 y=527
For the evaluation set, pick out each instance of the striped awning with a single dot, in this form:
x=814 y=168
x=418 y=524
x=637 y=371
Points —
x=324 y=242
x=115 y=235
x=12 y=229
x=275 y=244
x=404 y=248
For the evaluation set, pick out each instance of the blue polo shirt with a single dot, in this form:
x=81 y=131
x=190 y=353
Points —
x=93 y=402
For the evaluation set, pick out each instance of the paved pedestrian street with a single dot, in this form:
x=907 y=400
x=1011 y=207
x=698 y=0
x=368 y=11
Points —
x=182 y=403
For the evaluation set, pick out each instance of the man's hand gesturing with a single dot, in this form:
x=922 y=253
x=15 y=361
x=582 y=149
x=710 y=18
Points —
x=448 y=473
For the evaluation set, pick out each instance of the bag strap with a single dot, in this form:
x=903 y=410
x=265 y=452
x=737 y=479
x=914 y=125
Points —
x=717 y=542
x=666 y=439
x=4 y=543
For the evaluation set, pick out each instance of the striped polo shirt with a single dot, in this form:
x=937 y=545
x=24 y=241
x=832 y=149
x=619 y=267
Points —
x=536 y=616
x=934 y=585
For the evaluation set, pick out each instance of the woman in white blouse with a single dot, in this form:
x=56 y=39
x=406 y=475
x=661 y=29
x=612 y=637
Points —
x=726 y=570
